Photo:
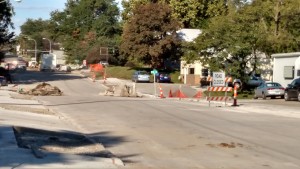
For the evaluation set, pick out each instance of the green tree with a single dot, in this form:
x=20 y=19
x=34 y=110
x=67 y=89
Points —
x=36 y=29
x=149 y=36
x=83 y=18
x=6 y=13
x=229 y=42
x=195 y=13
x=281 y=22
x=190 y=13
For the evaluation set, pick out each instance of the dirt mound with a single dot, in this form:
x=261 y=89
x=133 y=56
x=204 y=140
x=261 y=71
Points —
x=44 y=89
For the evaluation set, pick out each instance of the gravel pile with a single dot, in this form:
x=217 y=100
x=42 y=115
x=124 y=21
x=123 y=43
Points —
x=43 y=89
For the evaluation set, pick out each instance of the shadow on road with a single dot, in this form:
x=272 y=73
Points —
x=31 y=77
x=49 y=147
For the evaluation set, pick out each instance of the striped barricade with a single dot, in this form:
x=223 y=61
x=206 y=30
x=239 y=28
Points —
x=217 y=98
x=219 y=89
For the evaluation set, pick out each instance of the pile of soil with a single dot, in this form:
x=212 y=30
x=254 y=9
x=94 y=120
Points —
x=44 y=89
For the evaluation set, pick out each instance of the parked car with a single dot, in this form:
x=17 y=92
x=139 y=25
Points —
x=104 y=63
x=6 y=74
x=162 y=77
x=269 y=89
x=253 y=82
x=293 y=90
x=3 y=81
x=141 y=76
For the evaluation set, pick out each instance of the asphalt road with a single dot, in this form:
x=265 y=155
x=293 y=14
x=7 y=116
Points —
x=173 y=134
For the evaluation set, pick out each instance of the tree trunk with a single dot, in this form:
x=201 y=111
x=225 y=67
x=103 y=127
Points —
x=277 y=17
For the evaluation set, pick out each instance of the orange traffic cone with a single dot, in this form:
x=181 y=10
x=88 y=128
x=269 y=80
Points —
x=170 y=93
x=179 y=94
x=198 y=95
x=161 y=92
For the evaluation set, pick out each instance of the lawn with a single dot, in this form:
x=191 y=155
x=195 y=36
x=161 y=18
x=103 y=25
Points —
x=126 y=73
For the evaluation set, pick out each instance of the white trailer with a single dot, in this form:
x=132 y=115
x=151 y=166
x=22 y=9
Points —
x=286 y=67
x=48 y=62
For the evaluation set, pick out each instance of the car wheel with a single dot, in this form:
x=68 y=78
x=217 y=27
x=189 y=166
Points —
x=264 y=96
x=299 y=96
x=286 y=96
x=282 y=97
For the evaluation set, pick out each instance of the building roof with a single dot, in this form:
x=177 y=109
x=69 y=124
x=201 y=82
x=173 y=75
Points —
x=189 y=35
x=286 y=55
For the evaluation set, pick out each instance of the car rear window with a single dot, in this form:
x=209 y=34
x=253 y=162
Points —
x=273 y=85
x=143 y=73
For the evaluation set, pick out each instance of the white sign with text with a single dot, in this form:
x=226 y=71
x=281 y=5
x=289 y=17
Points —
x=218 y=79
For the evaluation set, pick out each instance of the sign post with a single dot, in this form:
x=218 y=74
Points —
x=154 y=72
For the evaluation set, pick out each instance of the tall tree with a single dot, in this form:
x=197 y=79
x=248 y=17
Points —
x=82 y=18
x=149 y=36
x=36 y=29
x=194 y=13
x=6 y=13
x=190 y=13
x=227 y=43
x=231 y=42
x=281 y=21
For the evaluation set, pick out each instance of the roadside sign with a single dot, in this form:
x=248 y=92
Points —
x=218 y=79
x=154 y=71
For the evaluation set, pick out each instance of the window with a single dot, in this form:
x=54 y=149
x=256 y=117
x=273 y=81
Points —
x=288 y=72
x=204 y=72
x=298 y=72
x=192 y=71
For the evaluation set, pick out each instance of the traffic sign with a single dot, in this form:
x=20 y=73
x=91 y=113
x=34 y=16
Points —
x=218 y=79
x=154 y=71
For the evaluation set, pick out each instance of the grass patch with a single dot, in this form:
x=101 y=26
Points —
x=126 y=73
x=120 y=72
x=241 y=94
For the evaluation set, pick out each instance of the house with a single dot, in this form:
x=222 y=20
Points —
x=190 y=73
x=286 y=67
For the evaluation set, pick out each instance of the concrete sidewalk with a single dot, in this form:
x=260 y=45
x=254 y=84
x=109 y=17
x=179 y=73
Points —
x=11 y=156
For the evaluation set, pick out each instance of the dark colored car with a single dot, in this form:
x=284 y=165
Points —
x=6 y=74
x=162 y=77
x=293 y=90
x=3 y=81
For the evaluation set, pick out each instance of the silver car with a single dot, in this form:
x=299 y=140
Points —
x=269 y=89
x=141 y=76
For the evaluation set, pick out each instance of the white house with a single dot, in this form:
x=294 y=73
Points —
x=193 y=72
x=286 y=67
x=190 y=73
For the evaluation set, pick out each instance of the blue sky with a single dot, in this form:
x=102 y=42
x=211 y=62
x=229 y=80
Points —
x=35 y=9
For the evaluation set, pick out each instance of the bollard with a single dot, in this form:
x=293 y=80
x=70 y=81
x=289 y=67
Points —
x=235 y=96
x=94 y=77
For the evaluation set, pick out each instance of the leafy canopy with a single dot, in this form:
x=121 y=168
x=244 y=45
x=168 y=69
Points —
x=149 y=36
